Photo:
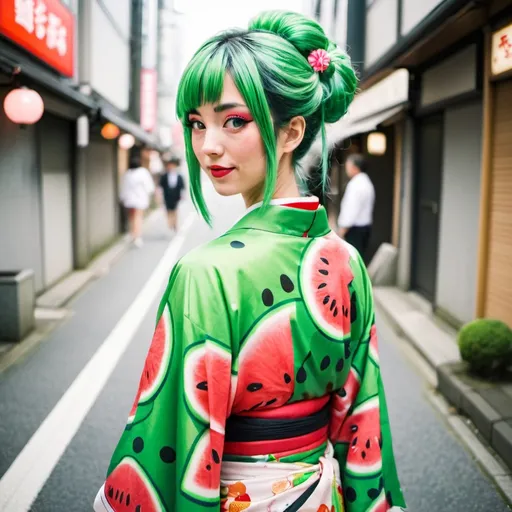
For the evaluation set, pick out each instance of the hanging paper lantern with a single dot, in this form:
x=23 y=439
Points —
x=24 y=106
x=110 y=131
x=126 y=141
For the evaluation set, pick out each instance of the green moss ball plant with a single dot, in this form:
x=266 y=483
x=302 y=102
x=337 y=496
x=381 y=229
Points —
x=486 y=345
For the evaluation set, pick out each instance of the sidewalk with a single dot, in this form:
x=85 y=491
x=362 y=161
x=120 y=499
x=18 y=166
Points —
x=487 y=404
x=51 y=308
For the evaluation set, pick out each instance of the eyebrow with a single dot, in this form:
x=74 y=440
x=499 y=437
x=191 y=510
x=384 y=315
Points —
x=220 y=108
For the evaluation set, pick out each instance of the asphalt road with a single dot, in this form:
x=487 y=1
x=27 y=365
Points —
x=436 y=471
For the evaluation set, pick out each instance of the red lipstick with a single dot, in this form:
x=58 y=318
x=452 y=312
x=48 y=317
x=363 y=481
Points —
x=219 y=172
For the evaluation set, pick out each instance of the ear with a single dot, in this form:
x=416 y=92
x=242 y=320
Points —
x=292 y=134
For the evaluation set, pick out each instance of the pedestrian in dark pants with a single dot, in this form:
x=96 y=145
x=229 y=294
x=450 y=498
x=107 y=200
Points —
x=172 y=184
x=356 y=214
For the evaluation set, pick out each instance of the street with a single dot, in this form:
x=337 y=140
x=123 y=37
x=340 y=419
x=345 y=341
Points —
x=436 y=471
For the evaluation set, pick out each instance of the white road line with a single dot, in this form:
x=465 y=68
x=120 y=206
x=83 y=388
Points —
x=27 y=475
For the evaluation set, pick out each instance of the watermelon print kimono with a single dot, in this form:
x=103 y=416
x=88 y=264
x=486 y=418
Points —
x=261 y=390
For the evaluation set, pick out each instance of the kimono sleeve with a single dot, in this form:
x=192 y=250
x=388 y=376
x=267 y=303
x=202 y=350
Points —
x=169 y=455
x=363 y=444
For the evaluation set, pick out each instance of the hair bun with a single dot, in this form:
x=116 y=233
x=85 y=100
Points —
x=338 y=81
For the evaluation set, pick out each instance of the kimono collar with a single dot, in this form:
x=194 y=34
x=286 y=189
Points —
x=285 y=220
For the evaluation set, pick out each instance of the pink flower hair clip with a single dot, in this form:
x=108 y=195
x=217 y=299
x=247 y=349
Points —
x=319 y=60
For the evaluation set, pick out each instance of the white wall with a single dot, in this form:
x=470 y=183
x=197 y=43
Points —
x=110 y=51
x=460 y=199
x=413 y=11
x=381 y=29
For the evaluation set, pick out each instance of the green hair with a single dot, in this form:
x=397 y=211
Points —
x=269 y=66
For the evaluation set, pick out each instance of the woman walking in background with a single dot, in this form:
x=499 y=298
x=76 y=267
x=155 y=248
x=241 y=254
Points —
x=136 y=188
x=172 y=185
x=262 y=389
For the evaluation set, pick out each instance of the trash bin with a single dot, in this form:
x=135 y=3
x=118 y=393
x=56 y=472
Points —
x=17 y=302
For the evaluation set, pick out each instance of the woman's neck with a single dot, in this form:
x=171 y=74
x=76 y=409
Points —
x=286 y=186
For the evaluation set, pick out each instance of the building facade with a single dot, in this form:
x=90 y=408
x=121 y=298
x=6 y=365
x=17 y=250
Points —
x=59 y=177
x=446 y=132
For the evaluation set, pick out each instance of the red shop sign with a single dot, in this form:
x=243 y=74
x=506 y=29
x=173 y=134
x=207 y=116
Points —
x=43 y=27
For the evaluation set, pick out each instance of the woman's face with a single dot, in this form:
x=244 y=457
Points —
x=228 y=145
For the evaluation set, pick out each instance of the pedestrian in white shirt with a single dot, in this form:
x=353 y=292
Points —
x=137 y=186
x=356 y=214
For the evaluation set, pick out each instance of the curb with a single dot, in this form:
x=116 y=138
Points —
x=51 y=310
x=494 y=431
x=492 y=425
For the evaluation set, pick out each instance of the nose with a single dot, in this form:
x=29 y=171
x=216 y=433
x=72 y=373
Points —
x=212 y=144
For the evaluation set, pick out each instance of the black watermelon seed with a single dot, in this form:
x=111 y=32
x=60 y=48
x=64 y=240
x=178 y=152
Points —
x=340 y=364
x=354 y=441
x=333 y=305
x=350 y=494
x=327 y=298
x=138 y=508
x=322 y=285
x=167 y=454
x=326 y=361
x=324 y=272
x=128 y=499
x=335 y=313
x=342 y=393
x=203 y=386
x=270 y=402
x=237 y=244
x=208 y=467
x=325 y=261
x=121 y=497
x=353 y=308
x=259 y=404
x=111 y=492
x=287 y=284
x=254 y=386
x=287 y=378
x=345 y=311
x=216 y=457
x=373 y=493
x=117 y=495
x=267 y=297
x=380 y=442
x=368 y=444
x=363 y=454
x=354 y=428
x=138 y=444
x=301 y=375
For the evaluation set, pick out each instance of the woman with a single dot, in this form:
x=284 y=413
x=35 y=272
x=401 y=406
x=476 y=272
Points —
x=136 y=188
x=261 y=389
x=171 y=183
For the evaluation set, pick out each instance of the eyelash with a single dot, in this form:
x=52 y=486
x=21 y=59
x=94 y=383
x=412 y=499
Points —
x=246 y=120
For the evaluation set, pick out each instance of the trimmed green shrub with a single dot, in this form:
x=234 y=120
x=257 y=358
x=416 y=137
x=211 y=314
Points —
x=487 y=346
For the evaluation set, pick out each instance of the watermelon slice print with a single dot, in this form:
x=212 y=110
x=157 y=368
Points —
x=342 y=400
x=156 y=365
x=265 y=363
x=380 y=505
x=324 y=276
x=202 y=474
x=129 y=489
x=362 y=431
x=207 y=363
x=373 y=350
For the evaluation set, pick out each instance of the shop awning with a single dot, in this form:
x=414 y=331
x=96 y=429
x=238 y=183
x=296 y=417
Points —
x=347 y=128
x=130 y=126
